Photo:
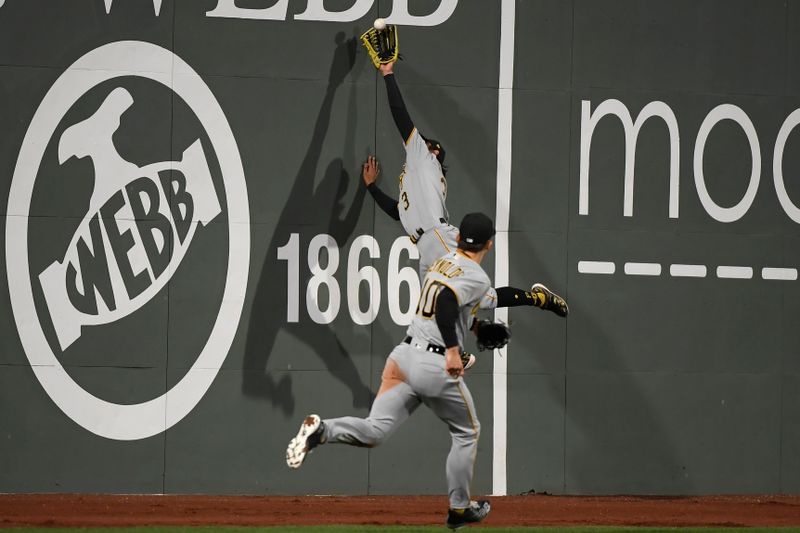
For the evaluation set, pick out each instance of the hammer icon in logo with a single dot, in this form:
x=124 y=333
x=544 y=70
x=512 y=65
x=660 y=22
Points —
x=139 y=223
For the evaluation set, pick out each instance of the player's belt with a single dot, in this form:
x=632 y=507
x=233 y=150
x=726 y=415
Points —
x=435 y=348
x=420 y=232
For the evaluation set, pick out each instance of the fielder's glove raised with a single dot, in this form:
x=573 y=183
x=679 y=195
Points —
x=382 y=45
x=491 y=335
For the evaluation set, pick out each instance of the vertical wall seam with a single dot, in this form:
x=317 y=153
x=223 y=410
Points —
x=376 y=78
x=172 y=244
x=571 y=93
x=783 y=294
x=372 y=325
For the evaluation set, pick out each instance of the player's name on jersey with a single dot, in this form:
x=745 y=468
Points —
x=446 y=268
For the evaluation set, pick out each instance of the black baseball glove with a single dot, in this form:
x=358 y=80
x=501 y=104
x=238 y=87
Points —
x=382 y=45
x=491 y=335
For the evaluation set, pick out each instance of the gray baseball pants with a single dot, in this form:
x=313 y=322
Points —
x=422 y=379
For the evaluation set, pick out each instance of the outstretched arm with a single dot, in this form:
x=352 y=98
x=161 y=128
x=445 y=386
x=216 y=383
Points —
x=369 y=173
x=539 y=296
x=399 y=112
x=513 y=297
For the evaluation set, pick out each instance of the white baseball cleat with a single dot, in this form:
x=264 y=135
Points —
x=309 y=436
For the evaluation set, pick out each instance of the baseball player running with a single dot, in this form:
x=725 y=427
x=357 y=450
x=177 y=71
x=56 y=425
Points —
x=426 y=367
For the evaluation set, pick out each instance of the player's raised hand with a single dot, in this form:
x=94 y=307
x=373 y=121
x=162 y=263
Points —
x=452 y=362
x=370 y=171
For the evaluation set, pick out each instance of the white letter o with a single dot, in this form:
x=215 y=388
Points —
x=734 y=113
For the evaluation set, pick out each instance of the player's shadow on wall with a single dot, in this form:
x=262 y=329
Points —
x=325 y=205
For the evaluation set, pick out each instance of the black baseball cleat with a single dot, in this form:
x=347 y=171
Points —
x=308 y=438
x=552 y=301
x=477 y=511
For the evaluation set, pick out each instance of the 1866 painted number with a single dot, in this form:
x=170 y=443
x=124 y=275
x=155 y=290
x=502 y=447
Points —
x=323 y=267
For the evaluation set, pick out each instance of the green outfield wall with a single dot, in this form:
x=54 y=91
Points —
x=192 y=264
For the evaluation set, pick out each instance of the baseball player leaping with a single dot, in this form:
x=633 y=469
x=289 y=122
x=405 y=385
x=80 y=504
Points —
x=421 y=206
x=426 y=367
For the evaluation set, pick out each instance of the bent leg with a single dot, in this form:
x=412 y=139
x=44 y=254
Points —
x=394 y=404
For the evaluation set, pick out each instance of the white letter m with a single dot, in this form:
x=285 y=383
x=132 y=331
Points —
x=589 y=121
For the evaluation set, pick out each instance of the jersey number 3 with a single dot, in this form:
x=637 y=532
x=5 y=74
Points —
x=427 y=298
x=404 y=197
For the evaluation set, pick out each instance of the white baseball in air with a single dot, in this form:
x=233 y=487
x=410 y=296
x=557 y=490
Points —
x=379 y=24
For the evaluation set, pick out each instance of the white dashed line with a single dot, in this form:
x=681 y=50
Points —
x=785 y=274
x=734 y=272
x=687 y=271
x=679 y=270
x=596 y=267
x=643 y=269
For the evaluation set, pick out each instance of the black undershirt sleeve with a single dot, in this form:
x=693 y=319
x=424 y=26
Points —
x=384 y=201
x=446 y=316
x=398 y=108
x=512 y=297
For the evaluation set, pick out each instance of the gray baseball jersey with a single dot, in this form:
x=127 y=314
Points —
x=423 y=189
x=439 y=241
x=469 y=283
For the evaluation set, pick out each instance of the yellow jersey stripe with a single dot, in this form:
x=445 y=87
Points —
x=411 y=135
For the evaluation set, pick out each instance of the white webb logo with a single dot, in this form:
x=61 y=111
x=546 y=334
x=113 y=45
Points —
x=120 y=258
x=124 y=229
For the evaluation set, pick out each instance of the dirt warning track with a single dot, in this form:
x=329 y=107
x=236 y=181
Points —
x=534 y=510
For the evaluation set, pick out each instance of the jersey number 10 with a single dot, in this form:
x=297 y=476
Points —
x=427 y=301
